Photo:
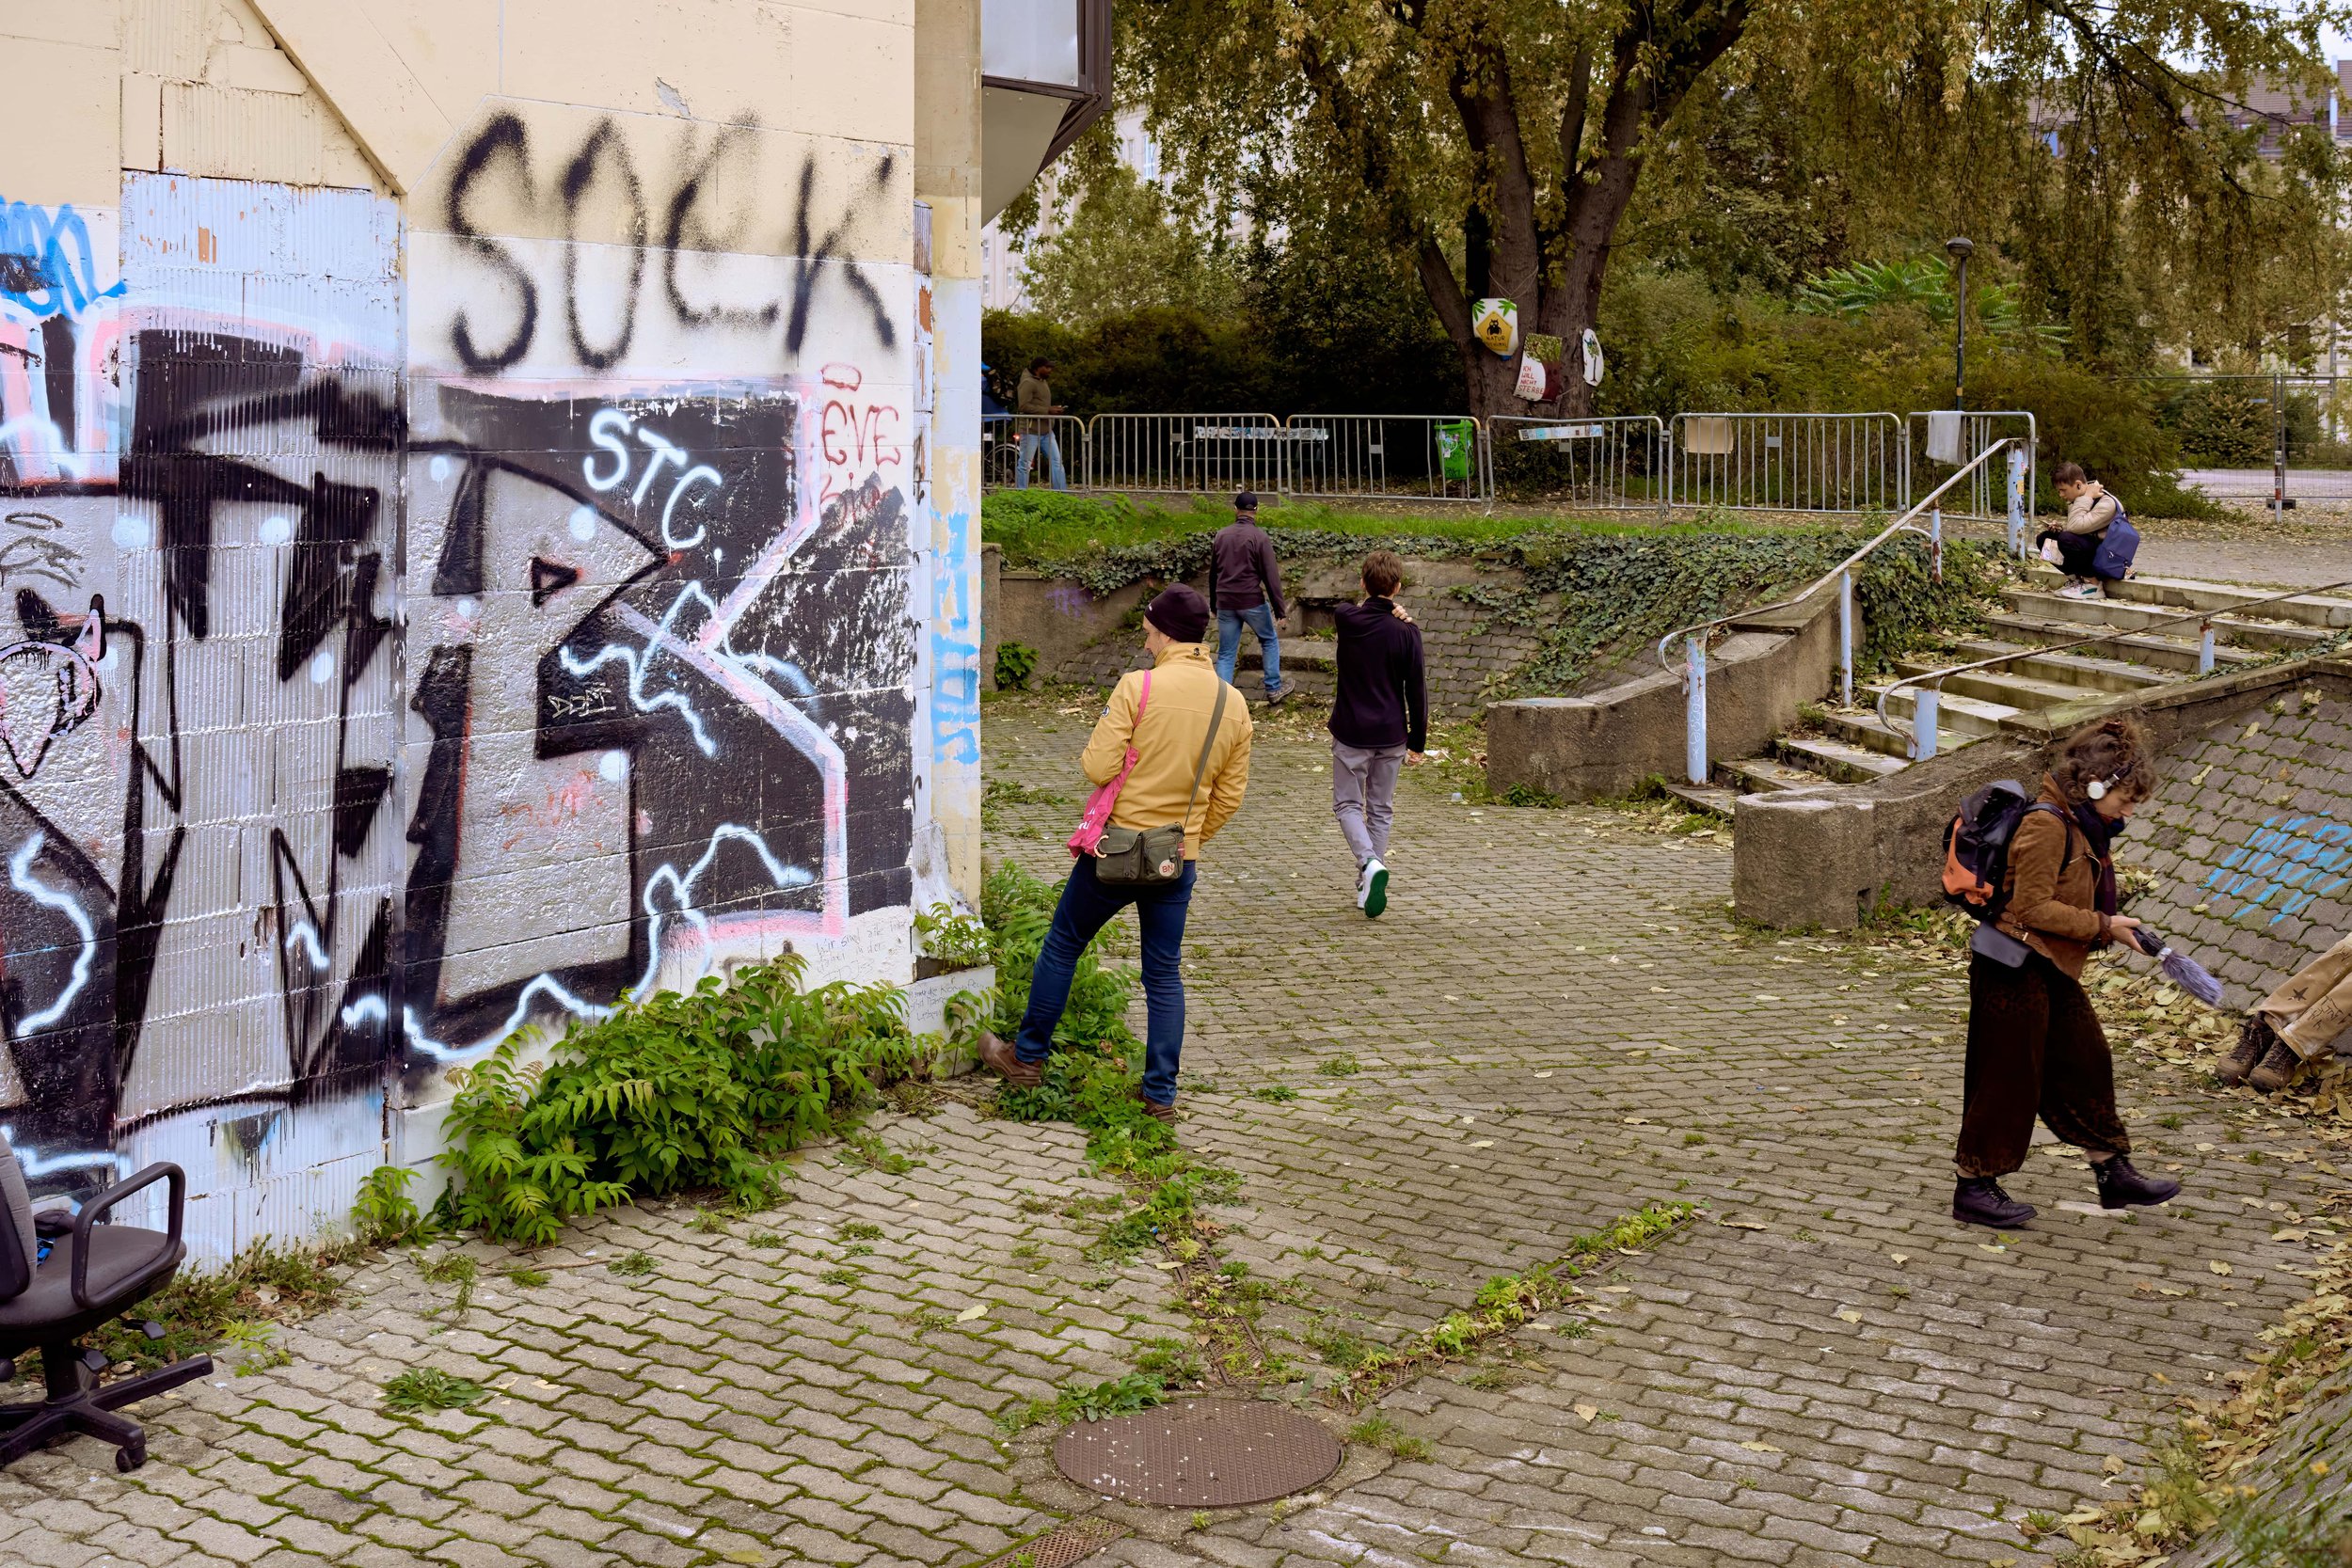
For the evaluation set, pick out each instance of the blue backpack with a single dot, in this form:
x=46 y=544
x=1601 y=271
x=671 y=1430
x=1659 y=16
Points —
x=2117 y=546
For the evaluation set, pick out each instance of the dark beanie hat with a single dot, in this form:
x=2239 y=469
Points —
x=1178 y=612
x=1245 y=501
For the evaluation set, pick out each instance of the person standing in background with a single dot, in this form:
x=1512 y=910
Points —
x=1036 y=404
x=1379 y=722
x=1245 y=589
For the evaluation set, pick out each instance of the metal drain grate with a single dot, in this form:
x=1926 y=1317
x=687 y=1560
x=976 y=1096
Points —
x=1202 y=1453
x=1063 y=1545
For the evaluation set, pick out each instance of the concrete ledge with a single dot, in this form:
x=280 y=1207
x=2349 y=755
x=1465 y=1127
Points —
x=1590 y=748
x=1826 y=858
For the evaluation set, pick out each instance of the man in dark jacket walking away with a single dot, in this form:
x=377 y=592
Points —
x=1379 y=722
x=1245 y=589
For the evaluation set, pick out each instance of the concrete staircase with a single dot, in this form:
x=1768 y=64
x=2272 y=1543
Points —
x=1853 y=746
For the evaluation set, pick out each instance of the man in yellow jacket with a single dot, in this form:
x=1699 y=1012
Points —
x=1168 y=741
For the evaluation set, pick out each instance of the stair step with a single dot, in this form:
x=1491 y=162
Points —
x=1864 y=731
x=2149 y=648
x=1711 y=799
x=2091 y=614
x=2311 y=610
x=1838 y=761
x=2078 y=670
x=2005 y=684
x=1969 y=716
x=1765 y=776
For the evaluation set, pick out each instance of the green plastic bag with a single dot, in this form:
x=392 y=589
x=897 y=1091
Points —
x=1456 y=439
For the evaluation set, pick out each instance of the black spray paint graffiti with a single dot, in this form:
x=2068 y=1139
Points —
x=500 y=155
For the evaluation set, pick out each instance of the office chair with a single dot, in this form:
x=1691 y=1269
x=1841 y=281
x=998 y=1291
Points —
x=90 y=1274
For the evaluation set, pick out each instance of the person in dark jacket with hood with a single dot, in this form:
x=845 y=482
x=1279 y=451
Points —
x=1245 y=589
x=1379 y=720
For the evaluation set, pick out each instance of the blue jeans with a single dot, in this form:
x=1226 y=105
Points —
x=1086 y=906
x=1260 y=619
x=1054 y=475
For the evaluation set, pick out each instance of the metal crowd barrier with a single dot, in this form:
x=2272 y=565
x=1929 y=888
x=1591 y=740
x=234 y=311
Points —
x=1609 y=465
x=1385 y=456
x=1788 y=462
x=1192 y=453
x=1000 y=450
x=1947 y=438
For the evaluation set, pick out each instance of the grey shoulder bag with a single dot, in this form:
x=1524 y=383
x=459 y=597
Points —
x=1151 y=857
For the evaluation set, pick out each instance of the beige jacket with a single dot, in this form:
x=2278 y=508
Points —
x=2091 y=512
x=1168 y=746
x=1034 y=397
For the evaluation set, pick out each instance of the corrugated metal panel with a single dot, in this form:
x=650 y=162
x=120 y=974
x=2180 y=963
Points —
x=167 y=38
x=223 y=130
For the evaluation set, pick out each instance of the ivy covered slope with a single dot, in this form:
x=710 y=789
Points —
x=1596 y=593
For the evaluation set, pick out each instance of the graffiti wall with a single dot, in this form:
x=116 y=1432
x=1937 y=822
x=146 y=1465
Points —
x=418 y=624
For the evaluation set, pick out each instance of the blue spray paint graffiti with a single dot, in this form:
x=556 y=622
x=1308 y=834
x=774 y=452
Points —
x=956 y=650
x=37 y=275
x=2280 y=861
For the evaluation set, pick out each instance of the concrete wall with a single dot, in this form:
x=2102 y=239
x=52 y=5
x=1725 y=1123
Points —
x=1591 y=747
x=1827 y=857
x=488 y=503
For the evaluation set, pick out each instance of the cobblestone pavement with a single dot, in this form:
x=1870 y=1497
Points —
x=1554 y=1024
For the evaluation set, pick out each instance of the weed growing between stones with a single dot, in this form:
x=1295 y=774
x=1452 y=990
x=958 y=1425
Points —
x=634 y=1265
x=1090 y=1401
x=430 y=1389
x=1378 y=1432
x=456 y=1268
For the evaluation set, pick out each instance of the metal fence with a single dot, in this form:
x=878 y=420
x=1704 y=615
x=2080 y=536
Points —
x=1001 y=443
x=1611 y=465
x=2272 y=438
x=1944 y=439
x=1788 y=462
x=1385 y=456
x=1191 y=453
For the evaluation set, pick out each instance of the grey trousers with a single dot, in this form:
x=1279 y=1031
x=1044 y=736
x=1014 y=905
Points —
x=1363 y=793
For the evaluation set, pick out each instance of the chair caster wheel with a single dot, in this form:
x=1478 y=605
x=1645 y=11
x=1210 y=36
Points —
x=130 y=1457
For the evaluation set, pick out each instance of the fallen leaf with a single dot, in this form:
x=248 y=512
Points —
x=1988 y=1246
x=1766 y=996
x=1900 y=1257
x=979 y=1309
x=2113 y=1467
x=1484 y=1142
x=2220 y=1267
x=1849 y=1316
x=1744 y=1225
x=2205 y=1149
x=1761 y=1447
x=1586 y=1412
x=1637 y=1122
x=1543 y=1075
x=1659 y=990
x=2171 y=1291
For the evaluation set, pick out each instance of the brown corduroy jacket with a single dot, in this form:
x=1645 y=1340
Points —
x=2054 y=887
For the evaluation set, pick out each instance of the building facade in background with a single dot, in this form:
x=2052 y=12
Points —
x=488 y=522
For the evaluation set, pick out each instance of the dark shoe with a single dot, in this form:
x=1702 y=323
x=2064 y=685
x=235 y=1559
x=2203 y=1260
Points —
x=1000 y=1058
x=2276 y=1069
x=1978 y=1200
x=1154 y=1109
x=1276 y=699
x=2254 y=1041
x=2122 y=1187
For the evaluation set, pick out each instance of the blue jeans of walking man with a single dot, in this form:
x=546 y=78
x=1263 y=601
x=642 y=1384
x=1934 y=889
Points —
x=1086 y=906
x=1054 y=474
x=1259 y=618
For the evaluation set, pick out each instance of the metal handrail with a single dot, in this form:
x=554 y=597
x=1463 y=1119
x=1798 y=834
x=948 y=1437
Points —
x=1900 y=525
x=2205 y=618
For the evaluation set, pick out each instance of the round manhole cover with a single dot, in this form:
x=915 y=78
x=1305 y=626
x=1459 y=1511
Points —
x=1202 y=1453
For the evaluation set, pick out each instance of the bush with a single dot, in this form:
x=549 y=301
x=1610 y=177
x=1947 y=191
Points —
x=678 y=1092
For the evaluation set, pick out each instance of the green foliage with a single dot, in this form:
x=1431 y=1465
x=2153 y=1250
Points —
x=957 y=941
x=1125 y=247
x=1927 y=284
x=1015 y=662
x=1019 y=908
x=674 y=1093
x=1377 y=1432
x=634 y=1265
x=1339 y=1067
x=454 y=1268
x=1122 y=1396
x=429 y=1388
x=1273 y=1092
x=383 y=1213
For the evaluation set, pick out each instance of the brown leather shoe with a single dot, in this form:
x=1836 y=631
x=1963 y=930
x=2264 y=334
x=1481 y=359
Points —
x=2276 y=1069
x=1155 y=1110
x=1000 y=1058
x=2254 y=1041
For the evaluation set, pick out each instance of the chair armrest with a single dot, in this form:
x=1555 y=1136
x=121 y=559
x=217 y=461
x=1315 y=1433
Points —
x=97 y=1208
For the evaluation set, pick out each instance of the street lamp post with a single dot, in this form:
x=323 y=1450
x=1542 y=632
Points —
x=1960 y=251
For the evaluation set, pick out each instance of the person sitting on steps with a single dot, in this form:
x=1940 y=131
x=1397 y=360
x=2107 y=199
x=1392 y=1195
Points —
x=2073 y=546
x=2297 y=1023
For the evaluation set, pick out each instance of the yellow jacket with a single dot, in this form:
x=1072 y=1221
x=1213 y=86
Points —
x=1175 y=720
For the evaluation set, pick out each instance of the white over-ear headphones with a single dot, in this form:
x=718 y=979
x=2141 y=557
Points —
x=2097 y=788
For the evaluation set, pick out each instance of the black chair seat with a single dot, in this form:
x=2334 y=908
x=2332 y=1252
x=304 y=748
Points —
x=124 y=1262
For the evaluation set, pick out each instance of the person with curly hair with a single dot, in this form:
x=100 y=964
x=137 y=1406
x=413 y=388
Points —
x=2035 y=1047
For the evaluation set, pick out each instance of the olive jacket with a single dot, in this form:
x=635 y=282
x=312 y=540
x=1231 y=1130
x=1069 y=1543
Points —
x=2053 y=884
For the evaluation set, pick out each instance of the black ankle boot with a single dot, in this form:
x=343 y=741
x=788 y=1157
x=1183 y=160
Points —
x=1978 y=1200
x=2122 y=1187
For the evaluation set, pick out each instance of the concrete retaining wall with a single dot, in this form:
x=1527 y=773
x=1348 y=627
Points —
x=1589 y=747
x=1827 y=857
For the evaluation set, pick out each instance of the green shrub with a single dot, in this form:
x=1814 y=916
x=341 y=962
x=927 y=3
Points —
x=383 y=1213
x=678 y=1092
x=1015 y=663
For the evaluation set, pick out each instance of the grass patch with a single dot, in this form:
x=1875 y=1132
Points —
x=1090 y=1401
x=634 y=1265
x=1276 y=1093
x=1378 y=1432
x=429 y=1388
x=1340 y=1067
